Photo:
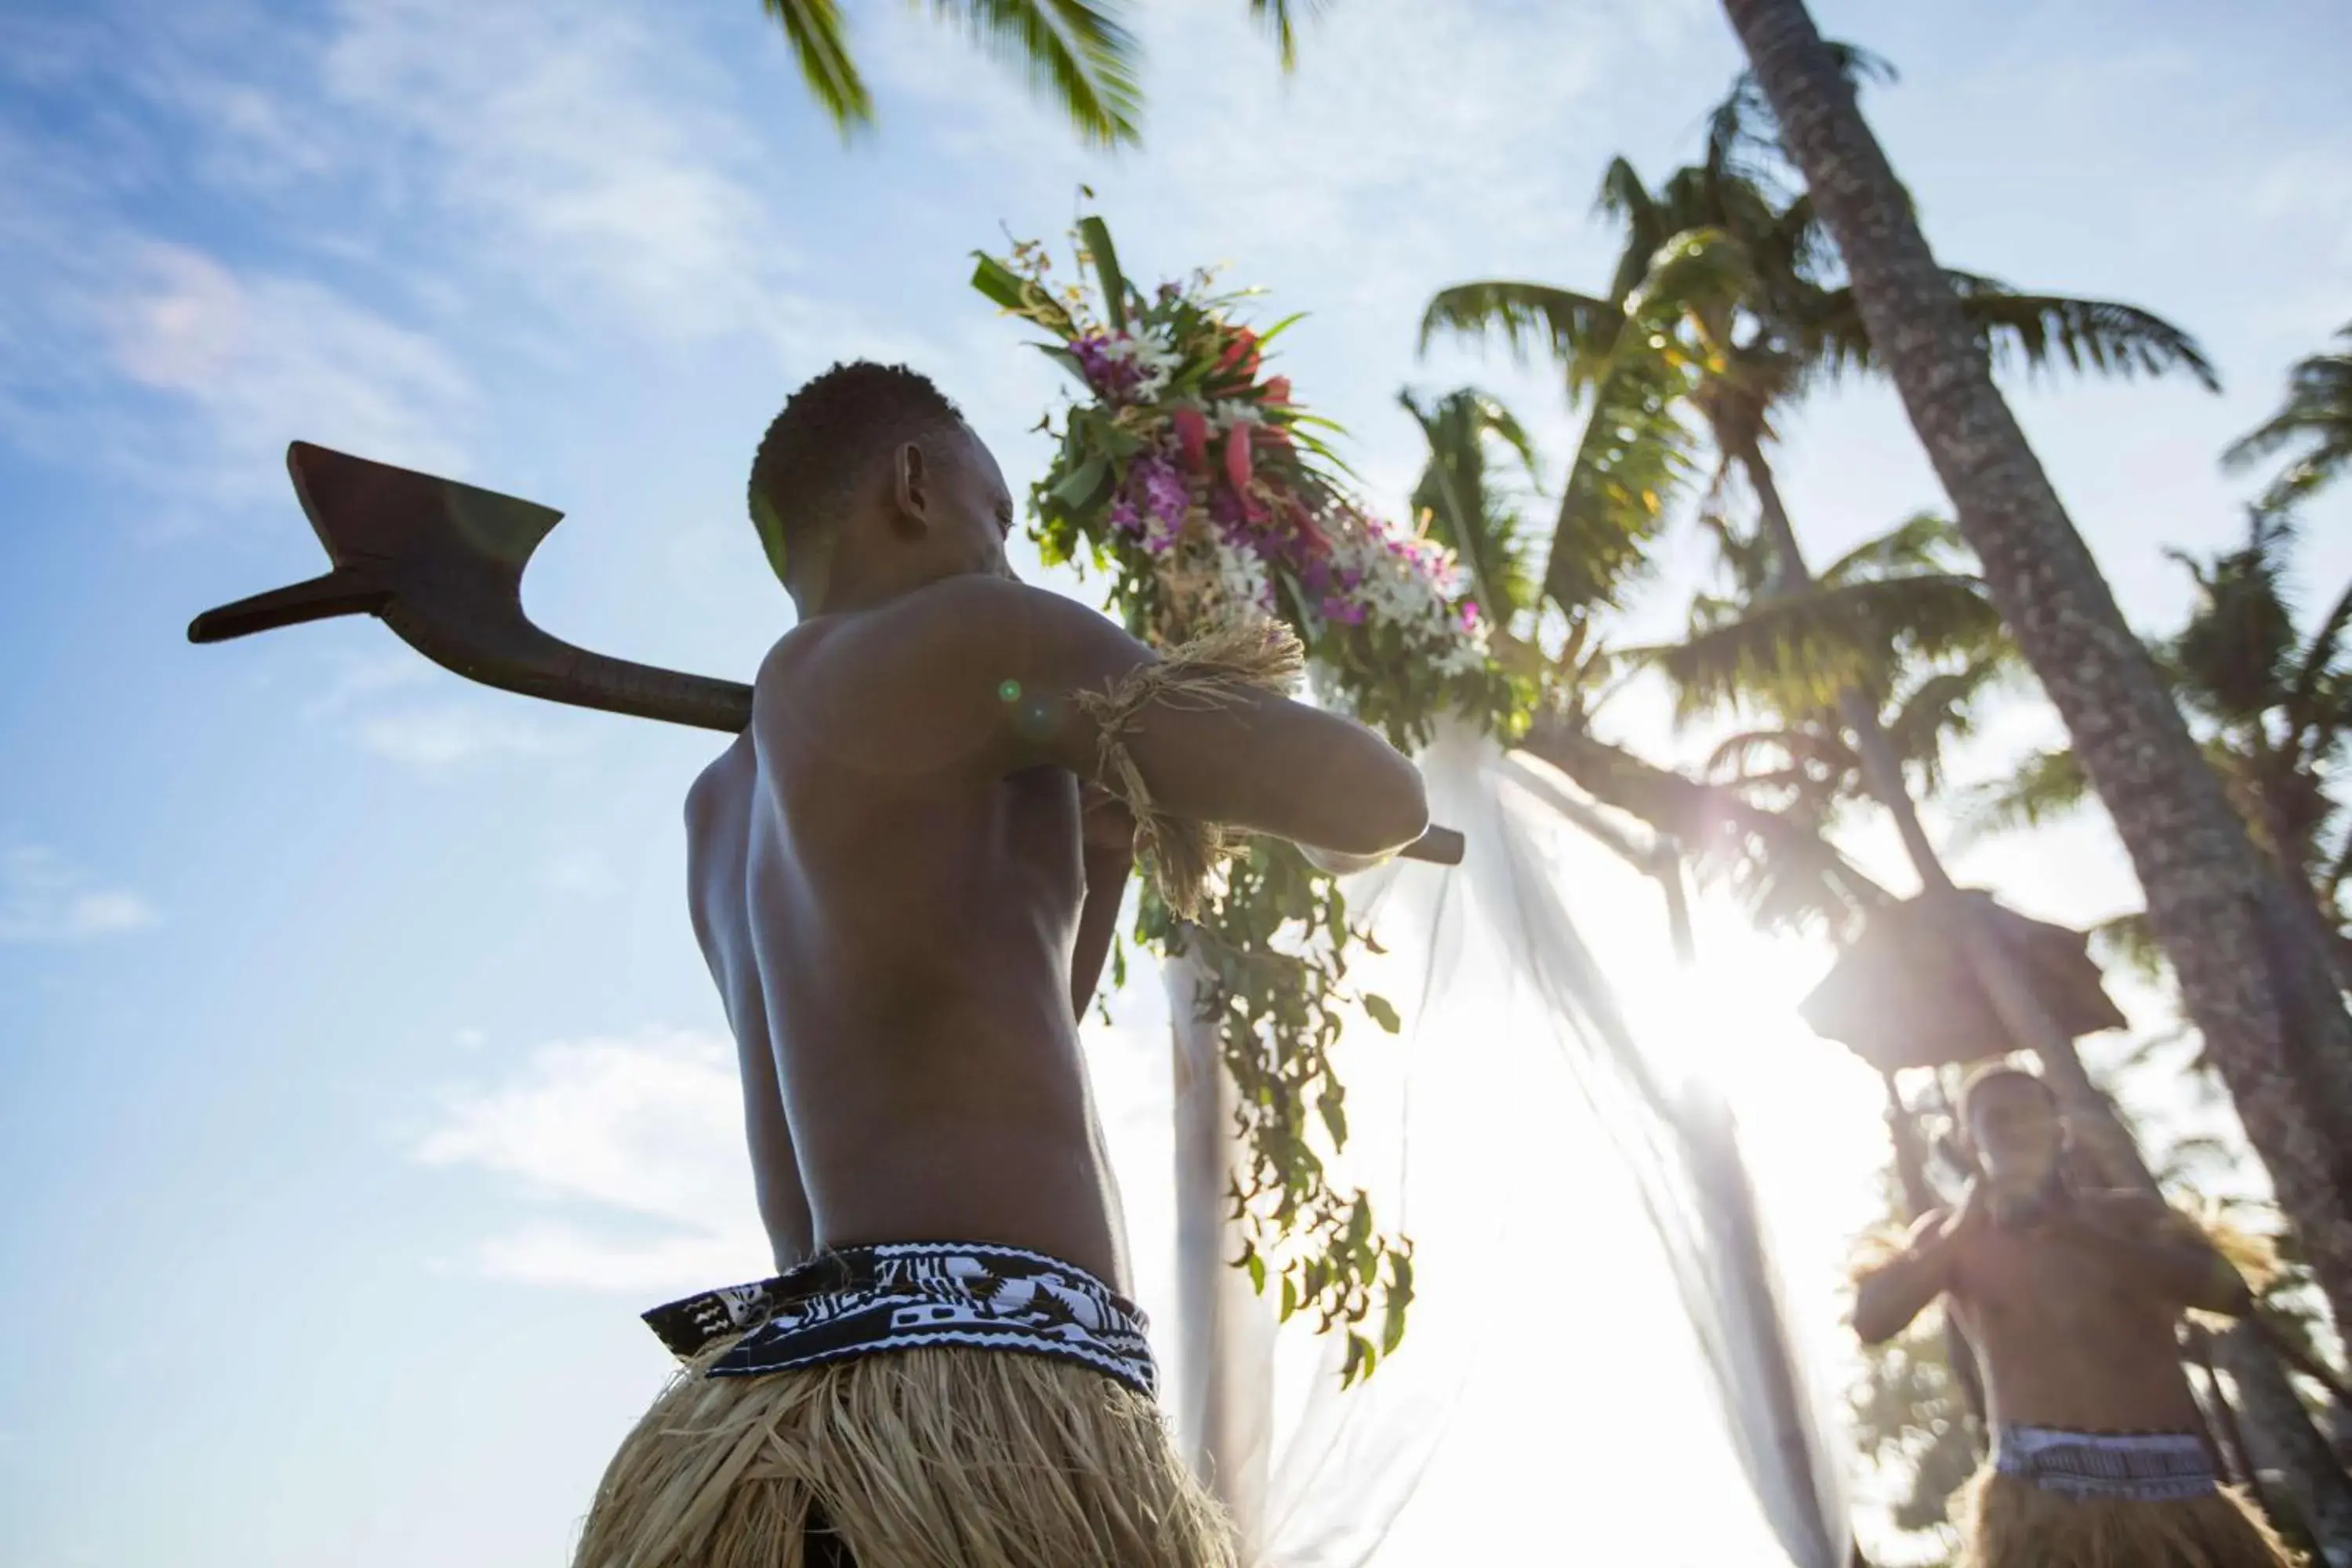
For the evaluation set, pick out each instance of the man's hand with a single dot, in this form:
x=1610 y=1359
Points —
x=1106 y=826
x=1898 y=1291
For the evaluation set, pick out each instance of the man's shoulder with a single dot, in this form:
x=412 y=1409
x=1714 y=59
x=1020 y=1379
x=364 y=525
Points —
x=721 y=787
x=929 y=621
x=2137 y=1210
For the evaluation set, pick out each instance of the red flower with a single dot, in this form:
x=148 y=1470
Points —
x=1239 y=356
x=1277 y=391
x=1192 y=435
x=1237 y=462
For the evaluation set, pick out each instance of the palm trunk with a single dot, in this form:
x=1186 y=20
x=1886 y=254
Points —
x=2280 y=1428
x=2280 y=1436
x=2250 y=977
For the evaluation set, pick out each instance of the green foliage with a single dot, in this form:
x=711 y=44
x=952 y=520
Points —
x=1272 y=950
x=1075 y=53
x=1280 y=18
x=2034 y=332
x=1462 y=501
x=2315 y=418
x=1911 y=1420
x=821 y=47
x=2041 y=787
x=1182 y=467
x=1794 y=652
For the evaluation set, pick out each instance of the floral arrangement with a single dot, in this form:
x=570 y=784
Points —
x=1197 y=481
x=1207 y=492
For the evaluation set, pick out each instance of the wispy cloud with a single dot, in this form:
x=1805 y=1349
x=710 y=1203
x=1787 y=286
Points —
x=438 y=738
x=647 y=1129
x=429 y=187
x=46 y=898
x=594 y=155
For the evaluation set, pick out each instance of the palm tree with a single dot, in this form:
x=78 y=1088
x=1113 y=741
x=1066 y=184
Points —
x=2273 y=710
x=1655 y=818
x=2317 y=415
x=2252 y=972
x=1076 y=52
x=1736 y=310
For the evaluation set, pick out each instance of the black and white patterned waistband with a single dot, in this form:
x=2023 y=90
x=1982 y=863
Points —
x=863 y=1301
x=2138 y=1467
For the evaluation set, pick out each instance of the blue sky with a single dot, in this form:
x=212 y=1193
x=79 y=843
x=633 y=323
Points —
x=358 y=1075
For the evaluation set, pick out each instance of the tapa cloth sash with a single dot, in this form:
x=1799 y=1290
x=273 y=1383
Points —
x=864 y=1301
x=2135 y=1466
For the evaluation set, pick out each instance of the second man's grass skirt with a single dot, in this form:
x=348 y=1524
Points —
x=2055 y=1499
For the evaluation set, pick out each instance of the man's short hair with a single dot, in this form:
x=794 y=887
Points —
x=831 y=432
x=2000 y=1073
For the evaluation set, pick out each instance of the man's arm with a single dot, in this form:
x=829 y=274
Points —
x=993 y=673
x=1107 y=838
x=1888 y=1297
x=2161 y=1251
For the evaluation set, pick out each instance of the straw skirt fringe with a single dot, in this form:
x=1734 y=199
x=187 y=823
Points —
x=934 y=1457
x=2012 y=1523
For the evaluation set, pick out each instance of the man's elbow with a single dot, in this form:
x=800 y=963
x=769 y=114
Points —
x=1388 y=806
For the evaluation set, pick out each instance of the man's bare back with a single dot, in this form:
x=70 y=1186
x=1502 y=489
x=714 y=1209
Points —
x=908 y=928
x=905 y=808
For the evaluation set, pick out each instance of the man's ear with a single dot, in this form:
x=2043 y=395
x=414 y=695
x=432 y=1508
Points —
x=912 y=479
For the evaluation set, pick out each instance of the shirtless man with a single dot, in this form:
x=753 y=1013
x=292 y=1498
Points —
x=2072 y=1302
x=905 y=916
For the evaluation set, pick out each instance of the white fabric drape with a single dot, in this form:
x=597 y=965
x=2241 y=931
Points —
x=1596 y=1365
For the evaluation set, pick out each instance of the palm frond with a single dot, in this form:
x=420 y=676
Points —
x=1798 y=651
x=2316 y=708
x=2317 y=412
x=1942 y=709
x=1635 y=457
x=2041 y=787
x=1743 y=135
x=1810 y=768
x=1778 y=865
x=820 y=46
x=2036 y=331
x=2128 y=939
x=2235 y=659
x=1280 y=18
x=1460 y=508
x=1921 y=543
x=1623 y=199
x=1075 y=53
x=1576 y=330
x=1698 y=272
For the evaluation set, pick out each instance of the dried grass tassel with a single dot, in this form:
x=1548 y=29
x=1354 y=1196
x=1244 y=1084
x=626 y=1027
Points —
x=1208 y=671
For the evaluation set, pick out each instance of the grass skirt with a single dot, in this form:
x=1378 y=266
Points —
x=936 y=1457
x=2009 y=1523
